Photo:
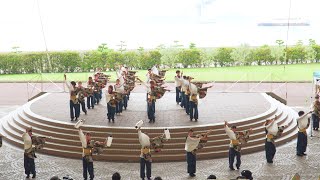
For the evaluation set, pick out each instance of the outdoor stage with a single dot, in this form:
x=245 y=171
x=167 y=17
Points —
x=214 y=108
x=49 y=116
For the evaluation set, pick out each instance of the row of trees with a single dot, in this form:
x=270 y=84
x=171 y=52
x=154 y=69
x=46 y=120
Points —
x=173 y=56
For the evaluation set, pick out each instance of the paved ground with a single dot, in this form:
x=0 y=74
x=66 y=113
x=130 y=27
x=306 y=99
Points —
x=286 y=164
x=215 y=107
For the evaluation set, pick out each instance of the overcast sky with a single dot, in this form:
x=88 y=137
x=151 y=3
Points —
x=84 y=24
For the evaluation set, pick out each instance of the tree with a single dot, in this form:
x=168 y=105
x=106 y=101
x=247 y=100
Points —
x=263 y=55
x=223 y=56
x=122 y=46
x=189 y=57
x=241 y=54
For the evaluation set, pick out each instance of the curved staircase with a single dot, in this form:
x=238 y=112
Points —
x=64 y=140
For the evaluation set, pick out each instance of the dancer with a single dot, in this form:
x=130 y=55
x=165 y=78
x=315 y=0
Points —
x=82 y=94
x=111 y=103
x=74 y=102
x=302 y=140
x=193 y=143
x=273 y=131
x=89 y=147
x=90 y=94
x=119 y=88
x=315 y=113
x=147 y=144
x=31 y=145
x=236 y=140
x=178 y=83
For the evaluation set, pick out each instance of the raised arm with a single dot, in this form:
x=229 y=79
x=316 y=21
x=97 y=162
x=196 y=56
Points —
x=82 y=139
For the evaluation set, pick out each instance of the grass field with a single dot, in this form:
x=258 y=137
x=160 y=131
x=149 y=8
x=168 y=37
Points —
x=295 y=72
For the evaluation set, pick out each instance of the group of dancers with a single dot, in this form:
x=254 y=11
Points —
x=193 y=144
x=187 y=93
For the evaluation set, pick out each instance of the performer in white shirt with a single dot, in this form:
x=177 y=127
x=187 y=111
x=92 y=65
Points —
x=273 y=131
x=302 y=139
x=88 y=148
x=178 y=83
x=119 y=88
x=111 y=103
x=29 y=155
x=315 y=108
x=74 y=101
x=237 y=138
x=191 y=147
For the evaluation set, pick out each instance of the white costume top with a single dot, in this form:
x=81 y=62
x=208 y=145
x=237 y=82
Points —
x=230 y=133
x=71 y=88
x=191 y=144
x=193 y=89
x=185 y=84
x=26 y=140
x=178 y=81
x=272 y=128
x=108 y=96
x=155 y=70
x=303 y=121
x=83 y=140
x=143 y=139
x=119 y=88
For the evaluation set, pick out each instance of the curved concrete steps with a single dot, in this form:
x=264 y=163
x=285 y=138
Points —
x=64 y=140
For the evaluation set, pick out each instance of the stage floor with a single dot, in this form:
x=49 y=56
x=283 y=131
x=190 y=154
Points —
x=214 y=108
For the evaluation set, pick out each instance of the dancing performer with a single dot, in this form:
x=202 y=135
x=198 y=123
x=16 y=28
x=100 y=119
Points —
x=193 y=101
x=302 y=140
x=147 y=144
x=236 y=140
x=122 y=76
x=151 y=99
x=273 y=131
x=111 y=103
x=82 y=94
x=31 y=145
x=315 y=113
x=90 y=93
x=186 y=93
x=89 y=147
x=74 y=101
x=119 y=88
x=193 y=143
x=178 y=83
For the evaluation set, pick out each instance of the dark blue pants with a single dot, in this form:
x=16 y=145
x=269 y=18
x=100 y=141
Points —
x=90 y=101
x=192 y=162
x=119 y=107
x=74 y=110
x=193 y=110
x=125 y=101
x=151 y=109
x=178 y=98
x=100 y=94
x=96 y=97
x=145 y=165
x=302 y=142
x=315 y=121
x=183 y=99
x=111 y=112
x=83 y=106
x=87 y=167
x=270 y=151
x=232 y=154
x=187 y=104
x=29 y=166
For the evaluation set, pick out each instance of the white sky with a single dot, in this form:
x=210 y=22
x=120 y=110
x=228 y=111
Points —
x=84 y=24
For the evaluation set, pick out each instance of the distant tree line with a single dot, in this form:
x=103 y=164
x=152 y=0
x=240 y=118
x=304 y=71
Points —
x=174 y=56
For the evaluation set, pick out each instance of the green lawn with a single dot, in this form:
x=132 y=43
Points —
x=296 y=72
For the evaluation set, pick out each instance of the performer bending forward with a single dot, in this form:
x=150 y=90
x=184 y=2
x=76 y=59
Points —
x=273 y=131
x=236 y=140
